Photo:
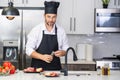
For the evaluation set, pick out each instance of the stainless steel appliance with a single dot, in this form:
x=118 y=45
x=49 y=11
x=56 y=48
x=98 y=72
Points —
x=10 y=50
x=17 y=29
x=107 y=20
x=113 y=63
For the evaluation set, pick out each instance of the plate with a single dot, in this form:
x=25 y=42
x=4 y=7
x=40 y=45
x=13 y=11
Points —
x=51 y=74
x=32 y=70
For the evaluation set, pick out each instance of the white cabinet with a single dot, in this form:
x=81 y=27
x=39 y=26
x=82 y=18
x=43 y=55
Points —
x=16 y=2
x=24 y=3
x=112 y=4
x=34 y=3
x=76 y=16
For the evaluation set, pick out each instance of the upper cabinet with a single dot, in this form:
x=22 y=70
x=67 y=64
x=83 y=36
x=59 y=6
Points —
x=112 y=4
x=76 y=16
x=16 y=2
x=34 y=3
x=24 y=3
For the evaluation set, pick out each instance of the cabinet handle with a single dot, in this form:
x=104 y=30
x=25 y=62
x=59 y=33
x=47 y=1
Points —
x=70 y=23
x=74 y=24
x=115 y=2
x=8 y=1
x=23 y=1
x=26 y=1
x=118 y=2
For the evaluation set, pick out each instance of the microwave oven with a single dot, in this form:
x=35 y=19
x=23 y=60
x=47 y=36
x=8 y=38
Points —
x=107 y=20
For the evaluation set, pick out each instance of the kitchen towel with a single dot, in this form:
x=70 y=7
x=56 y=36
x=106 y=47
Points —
x=81 y=51
x=85 y=52
x=89 y=52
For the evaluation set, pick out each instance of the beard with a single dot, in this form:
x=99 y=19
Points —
x=50 y=23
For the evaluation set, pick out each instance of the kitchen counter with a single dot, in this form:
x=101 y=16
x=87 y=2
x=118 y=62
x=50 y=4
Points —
x=83 y=75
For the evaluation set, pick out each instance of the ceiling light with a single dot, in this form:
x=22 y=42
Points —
x=10 y=11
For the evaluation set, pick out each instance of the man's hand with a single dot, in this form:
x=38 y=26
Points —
x=47 y=58
x=59 y=53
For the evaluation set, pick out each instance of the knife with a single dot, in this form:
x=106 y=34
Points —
x=52 y=53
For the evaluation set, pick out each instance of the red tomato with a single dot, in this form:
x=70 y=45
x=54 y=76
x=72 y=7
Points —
x=7 y=68
x=12 y=71
x=4 y=71
x=0 y=69
x=12 y=67
x=7 y=64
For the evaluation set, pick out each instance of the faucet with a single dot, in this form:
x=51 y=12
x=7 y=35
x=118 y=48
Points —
x=65 y=70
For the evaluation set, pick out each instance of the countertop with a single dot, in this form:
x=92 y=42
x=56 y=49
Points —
x=83 y=75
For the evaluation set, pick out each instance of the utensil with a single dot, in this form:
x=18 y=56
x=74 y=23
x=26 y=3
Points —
x=52 y=53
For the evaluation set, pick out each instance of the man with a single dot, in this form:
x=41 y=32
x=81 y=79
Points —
x=47 y=38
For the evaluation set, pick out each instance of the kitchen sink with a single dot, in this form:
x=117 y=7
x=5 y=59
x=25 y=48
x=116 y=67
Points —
x=77 y=73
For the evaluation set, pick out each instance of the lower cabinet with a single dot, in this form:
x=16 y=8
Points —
x=81 y=67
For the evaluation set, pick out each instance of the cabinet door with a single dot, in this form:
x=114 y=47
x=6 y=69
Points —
x=34 y=3
x=65 y=15
x=83 y=16
x=113 y=4
x=75 y=17
x=17 y=3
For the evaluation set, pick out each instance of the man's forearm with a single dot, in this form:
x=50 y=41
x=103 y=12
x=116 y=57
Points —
x=36 y=55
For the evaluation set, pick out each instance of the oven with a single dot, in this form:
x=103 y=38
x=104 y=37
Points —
x=107 y=20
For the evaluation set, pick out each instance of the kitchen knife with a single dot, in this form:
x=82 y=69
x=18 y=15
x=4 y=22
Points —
x=52 y=53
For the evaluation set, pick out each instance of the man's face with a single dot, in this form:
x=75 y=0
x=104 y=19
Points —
x=50 y=19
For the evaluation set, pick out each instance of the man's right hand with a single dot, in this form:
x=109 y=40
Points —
x=47 y=58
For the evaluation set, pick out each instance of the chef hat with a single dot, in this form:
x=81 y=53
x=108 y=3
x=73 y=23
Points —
x=51 y=7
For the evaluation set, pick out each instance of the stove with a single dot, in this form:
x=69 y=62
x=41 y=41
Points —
x=113 y=62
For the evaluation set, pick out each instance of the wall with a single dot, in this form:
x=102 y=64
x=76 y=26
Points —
x=104 y=44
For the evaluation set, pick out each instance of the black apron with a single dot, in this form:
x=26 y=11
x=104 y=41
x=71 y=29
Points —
x=48 y=44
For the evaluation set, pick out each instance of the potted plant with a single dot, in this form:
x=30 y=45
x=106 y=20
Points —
x=105 y=3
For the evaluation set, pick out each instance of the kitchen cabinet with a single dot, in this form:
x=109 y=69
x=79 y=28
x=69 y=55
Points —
x=112 y=4
x=76 y=16
x=17 y=3
x=24 y=3
x=34 y=3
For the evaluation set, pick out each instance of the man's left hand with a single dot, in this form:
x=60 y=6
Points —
x=59 y=53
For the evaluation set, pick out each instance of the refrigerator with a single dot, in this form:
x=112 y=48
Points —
x=16 y=31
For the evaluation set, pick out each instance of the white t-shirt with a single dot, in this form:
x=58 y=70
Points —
x=35 y=36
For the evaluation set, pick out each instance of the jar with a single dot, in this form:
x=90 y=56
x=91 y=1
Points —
x=106 y=70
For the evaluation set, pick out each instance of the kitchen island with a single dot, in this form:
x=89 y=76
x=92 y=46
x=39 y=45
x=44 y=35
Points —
x=72 y=75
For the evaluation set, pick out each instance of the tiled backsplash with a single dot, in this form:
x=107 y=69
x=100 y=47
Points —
x=104 y=44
